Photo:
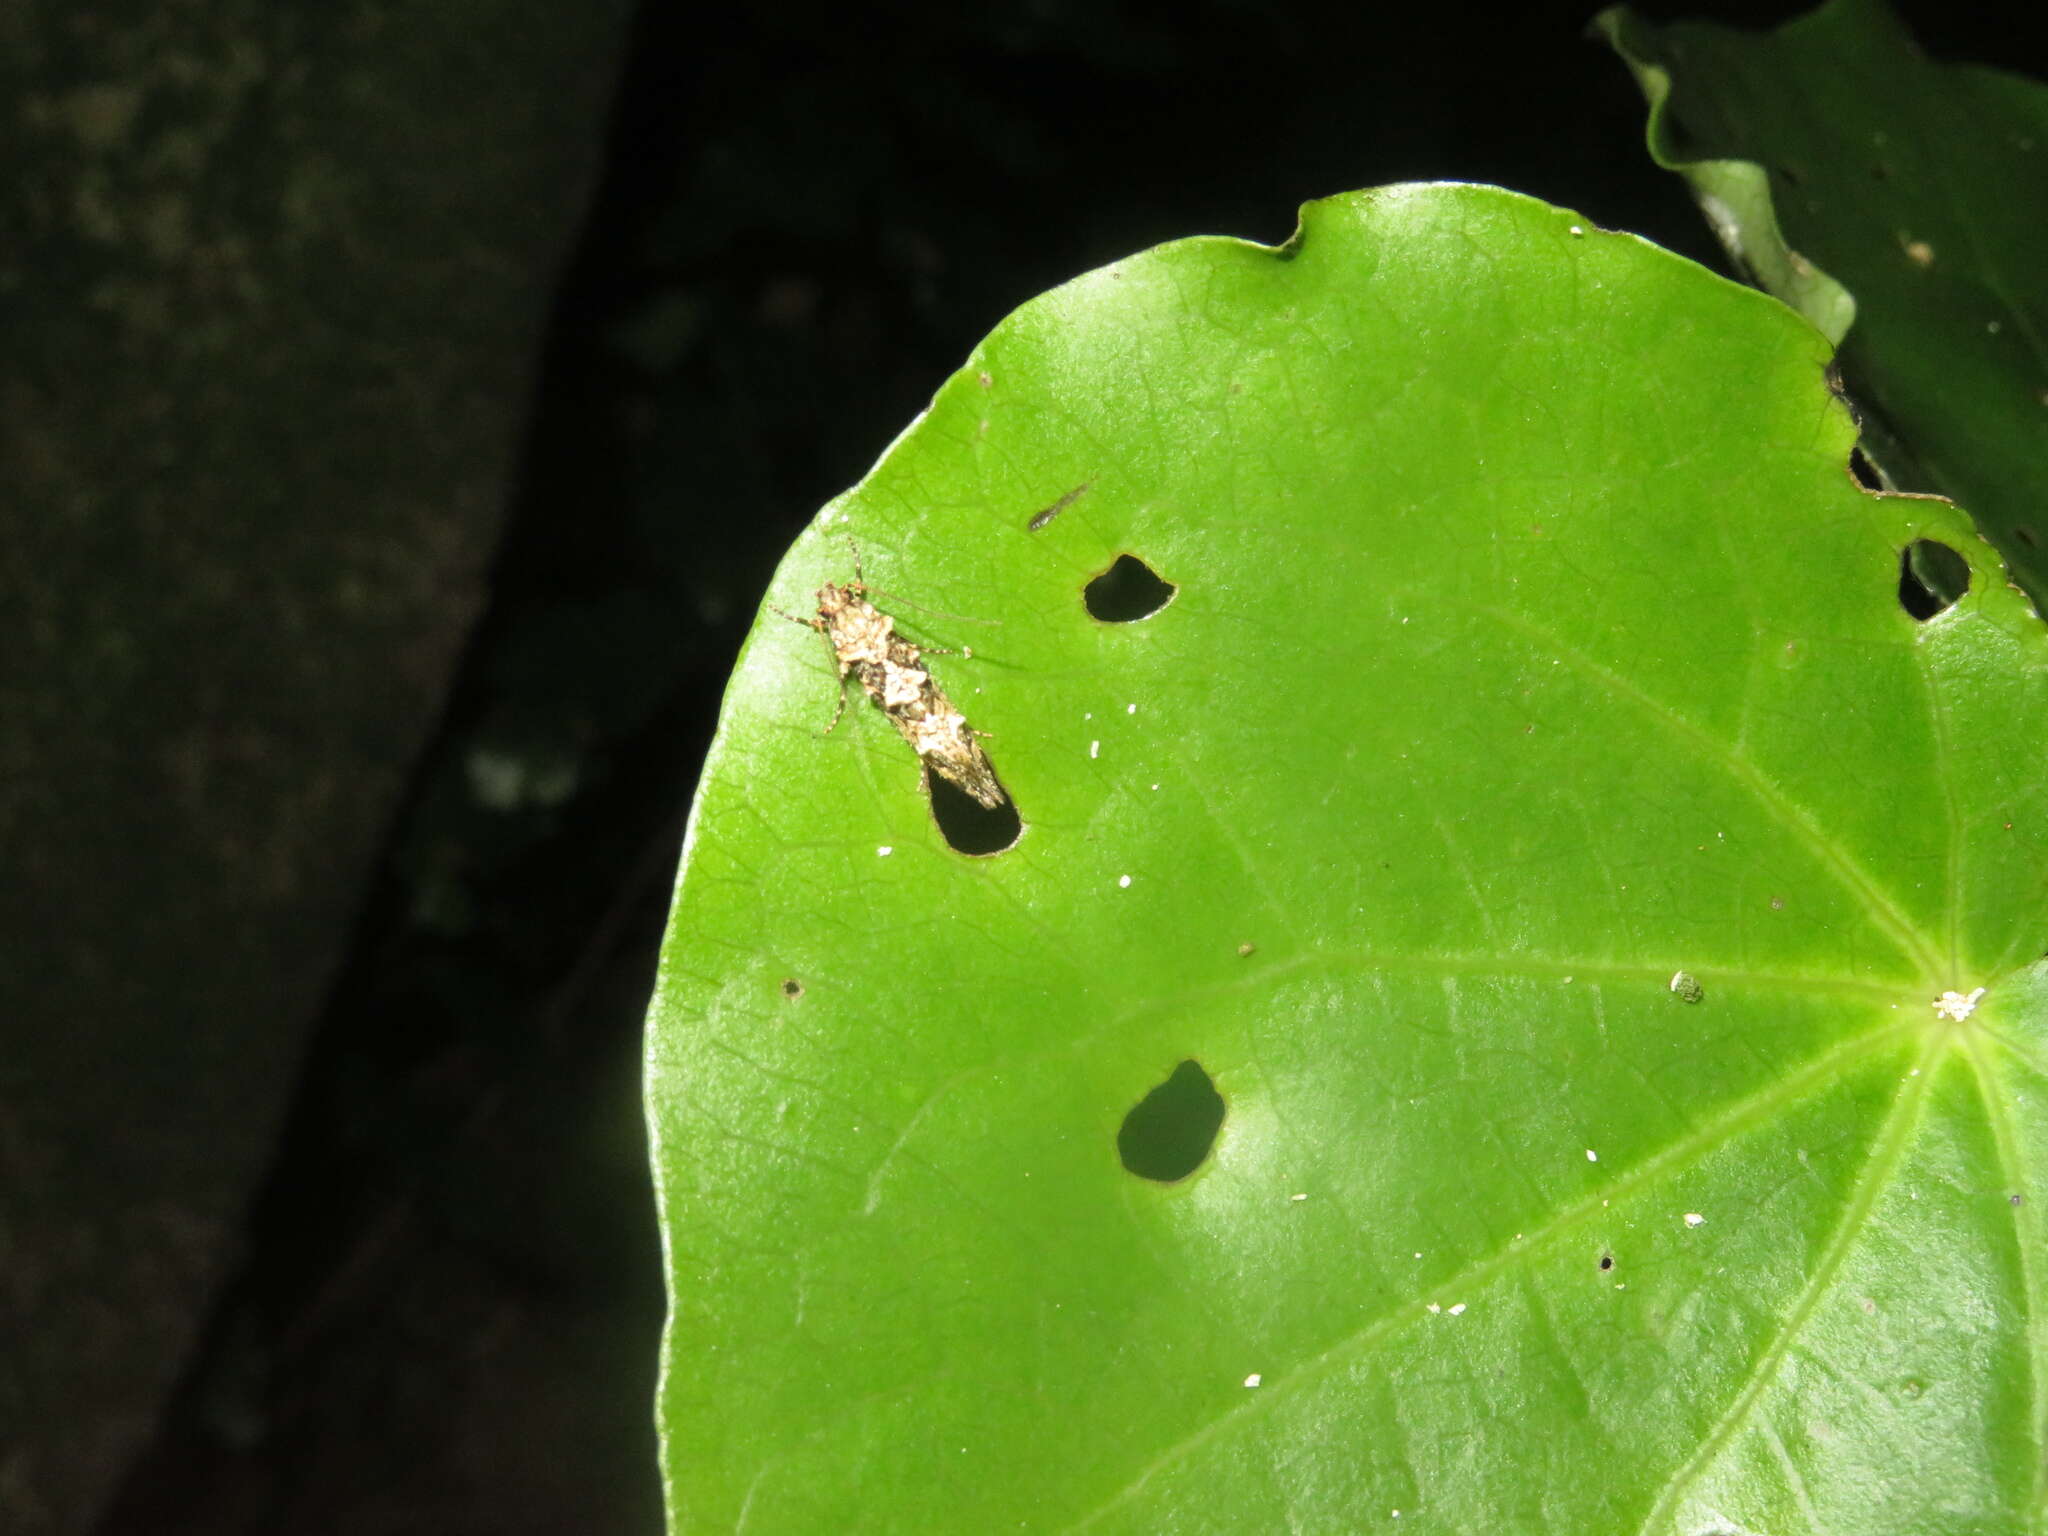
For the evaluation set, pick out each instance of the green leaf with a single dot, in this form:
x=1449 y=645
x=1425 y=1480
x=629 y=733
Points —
x=1902 y=206
x=1530 y=646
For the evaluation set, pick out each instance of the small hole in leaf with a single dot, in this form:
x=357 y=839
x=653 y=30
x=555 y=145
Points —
x=1932 y=577
x=1863 y=470
x=1169 y=1133
x=1607 y=1261
x=792 y=988
x=1128 y=591
x=969 y=826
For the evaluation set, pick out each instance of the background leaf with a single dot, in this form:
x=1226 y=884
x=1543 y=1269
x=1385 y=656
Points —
x=1530 y=646
x=1902 y=206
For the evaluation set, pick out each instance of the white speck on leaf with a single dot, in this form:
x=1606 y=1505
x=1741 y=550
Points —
x=1693 y=1218
x=1460 y=1307
x=884 y=851
x=1592 y=1156
x=1095 y=749
x=1253 y=1380
x=1123 y=882
x=1954 y=1005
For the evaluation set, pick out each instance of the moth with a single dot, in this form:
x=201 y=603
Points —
x=891 y=672
x=1049 y=513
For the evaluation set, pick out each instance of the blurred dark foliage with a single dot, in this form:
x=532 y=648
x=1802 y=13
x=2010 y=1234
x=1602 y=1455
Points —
x=448 y=1315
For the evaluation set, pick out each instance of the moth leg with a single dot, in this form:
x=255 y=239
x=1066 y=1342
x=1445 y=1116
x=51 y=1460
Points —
x=840 y=712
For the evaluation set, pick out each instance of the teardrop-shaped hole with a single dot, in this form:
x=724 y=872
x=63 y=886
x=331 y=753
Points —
x=1932 y=578
x=1128 y=591
x=968 y=826
x=1168 y=1133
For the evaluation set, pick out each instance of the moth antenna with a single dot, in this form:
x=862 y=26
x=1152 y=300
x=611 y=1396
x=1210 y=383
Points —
x=935 y=613
x=860 y=584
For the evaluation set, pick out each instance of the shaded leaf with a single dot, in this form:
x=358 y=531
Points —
x=1901 y=205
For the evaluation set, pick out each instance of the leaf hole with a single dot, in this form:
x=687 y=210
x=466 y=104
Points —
x=1932 y=578
x=1128 y=591
x=1863 y=471
x=1169 y=1133
x=968 y=826
x=1606 y=1261
x=792 y=988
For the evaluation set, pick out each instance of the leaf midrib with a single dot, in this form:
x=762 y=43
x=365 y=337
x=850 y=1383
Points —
x=1887 y=1148
x=1875 y=902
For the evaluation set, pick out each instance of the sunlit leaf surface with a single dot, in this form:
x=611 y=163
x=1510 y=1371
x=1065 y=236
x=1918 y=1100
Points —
x=1536 y=816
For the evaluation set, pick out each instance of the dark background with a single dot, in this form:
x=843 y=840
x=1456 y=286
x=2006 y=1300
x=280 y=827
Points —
x=443 y=1312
